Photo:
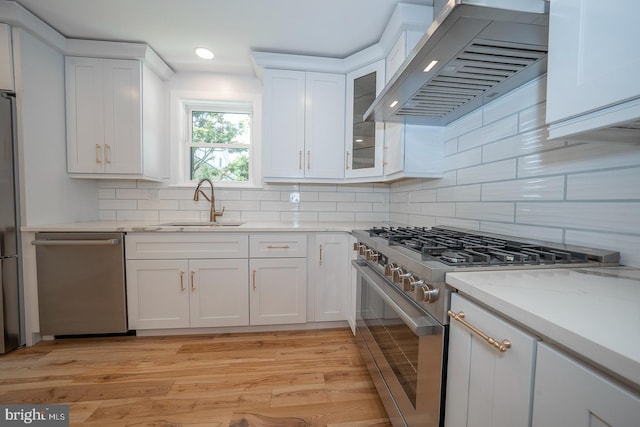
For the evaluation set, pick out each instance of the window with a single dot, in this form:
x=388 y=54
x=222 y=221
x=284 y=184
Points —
x=219 y=144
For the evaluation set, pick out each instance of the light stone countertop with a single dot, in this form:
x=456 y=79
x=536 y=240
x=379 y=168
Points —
x=593 y=312
x=246 y=227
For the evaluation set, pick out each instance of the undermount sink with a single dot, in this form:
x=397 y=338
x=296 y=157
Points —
x=202 y=224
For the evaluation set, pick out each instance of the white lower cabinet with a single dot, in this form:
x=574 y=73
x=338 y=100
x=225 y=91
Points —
x=487 y=387
x=329 y=277
x=278 y=291
x=183 y=280
x=570 y=394
x=278 y=268
x=163 y=294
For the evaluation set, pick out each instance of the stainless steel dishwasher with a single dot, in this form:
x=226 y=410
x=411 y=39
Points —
x=81 y=285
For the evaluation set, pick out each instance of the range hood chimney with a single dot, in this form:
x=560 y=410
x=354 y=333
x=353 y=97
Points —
x=473 y=52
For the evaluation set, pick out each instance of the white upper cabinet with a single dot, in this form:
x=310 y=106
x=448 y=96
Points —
x=364 y=139
x=6 y=59
x=410 y=151
x=593 y=64
x=113 y=125
x=303 y=125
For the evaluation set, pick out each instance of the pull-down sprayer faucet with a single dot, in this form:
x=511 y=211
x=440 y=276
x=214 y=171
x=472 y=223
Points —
x=196 y=196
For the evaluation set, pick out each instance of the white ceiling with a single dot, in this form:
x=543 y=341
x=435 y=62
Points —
x=230 y=28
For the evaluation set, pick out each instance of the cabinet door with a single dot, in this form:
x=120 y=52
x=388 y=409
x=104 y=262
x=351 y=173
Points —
x=122 y=116
x=569 y=394
x=332 y=276
x=278 y=292
x=6 y=59
x=324 y=125
x=219 y=290
x=158 y=294
x=85 y=115
x=364 y=140
x=486 y=387
x=591 y=61
x=284 y=121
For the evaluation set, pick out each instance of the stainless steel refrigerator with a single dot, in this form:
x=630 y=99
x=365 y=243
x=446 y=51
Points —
x=9 y=230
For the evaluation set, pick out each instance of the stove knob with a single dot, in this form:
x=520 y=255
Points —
x=362 y=250
x=389 y=269
x=358 y=247
x=427 y=293
x=400 y=276
x=372 y=255
x=410 y=283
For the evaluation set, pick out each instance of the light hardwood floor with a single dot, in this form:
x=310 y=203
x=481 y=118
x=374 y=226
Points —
x=269 y=379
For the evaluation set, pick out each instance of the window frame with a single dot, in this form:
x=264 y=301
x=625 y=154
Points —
x=246 y=96
x=188 y=144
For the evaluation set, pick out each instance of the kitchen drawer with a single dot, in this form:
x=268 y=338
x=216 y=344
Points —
x=285 y=245
x=186 y=245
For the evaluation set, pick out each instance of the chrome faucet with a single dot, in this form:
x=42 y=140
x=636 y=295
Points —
x=196 y=196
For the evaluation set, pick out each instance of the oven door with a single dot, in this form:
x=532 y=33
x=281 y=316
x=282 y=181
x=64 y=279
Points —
x=404 y=351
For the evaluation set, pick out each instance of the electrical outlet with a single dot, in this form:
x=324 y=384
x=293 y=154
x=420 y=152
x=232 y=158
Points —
x=294 y=197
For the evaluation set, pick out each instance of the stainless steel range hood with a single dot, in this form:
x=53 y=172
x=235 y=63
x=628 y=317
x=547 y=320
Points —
x=483 y=50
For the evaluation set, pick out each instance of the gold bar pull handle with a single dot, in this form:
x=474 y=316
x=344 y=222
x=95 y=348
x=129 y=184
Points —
x=347 y=164
x=300 y=160
x=98 y=152
x=502 y=346
x=320 y=254
x=107 y=154
x=182 y=280
x=277 y=246
x=191 y=275
x=253 y=280
x=308 y=159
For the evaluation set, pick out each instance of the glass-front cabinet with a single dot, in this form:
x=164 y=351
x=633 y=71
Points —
x=364 y=139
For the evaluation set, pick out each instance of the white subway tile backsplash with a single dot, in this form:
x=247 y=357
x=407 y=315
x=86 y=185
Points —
x=354 y=207
x=260 y=216
x=526 y=96
x=613 y=217
x=461 y=193
x=518 y=145
x=495 y=171
x=463 y=160
x=500 y=212
x=422 y=196
x=464 y=125
x=549 y=188
x=319 y=206
x=298 y=216
x=533 y=118
x=580 y=158
x=336 y=216
x=608 y=185
x=439 y=209
x=133 y=215
x=106 y=193
x=159 y=205
x=493 y=132
x=137 y=193
x=334 y=196
x=109 y=204
x=526 y=231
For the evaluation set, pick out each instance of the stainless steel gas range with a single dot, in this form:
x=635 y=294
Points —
x=402 y=303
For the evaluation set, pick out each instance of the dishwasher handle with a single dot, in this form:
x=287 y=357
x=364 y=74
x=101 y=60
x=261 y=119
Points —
x=97 y=242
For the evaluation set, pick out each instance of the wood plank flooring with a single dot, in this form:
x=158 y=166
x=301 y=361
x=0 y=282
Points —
x=267 y=379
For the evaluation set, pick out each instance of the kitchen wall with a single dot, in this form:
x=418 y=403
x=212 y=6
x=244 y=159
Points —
x=48 y=195
x=145 y=201
x=139 y=201
x=502 y=175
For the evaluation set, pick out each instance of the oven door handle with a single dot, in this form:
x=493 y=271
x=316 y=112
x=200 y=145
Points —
x=421 y=324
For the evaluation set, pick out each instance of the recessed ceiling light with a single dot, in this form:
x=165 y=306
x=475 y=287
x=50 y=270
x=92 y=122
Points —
x=393 y=104
x=204 y=53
